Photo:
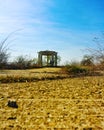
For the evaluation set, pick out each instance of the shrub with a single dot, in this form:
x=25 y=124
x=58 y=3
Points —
x=74 y=69
x=23 y=62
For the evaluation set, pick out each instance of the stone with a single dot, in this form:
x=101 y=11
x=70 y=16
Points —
x=12 y=104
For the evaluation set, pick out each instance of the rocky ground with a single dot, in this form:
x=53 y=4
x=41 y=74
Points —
x=62 y=104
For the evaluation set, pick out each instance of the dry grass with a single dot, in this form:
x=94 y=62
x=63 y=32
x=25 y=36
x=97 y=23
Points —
x=28 y=72
x=68 y=104
x=13 y=76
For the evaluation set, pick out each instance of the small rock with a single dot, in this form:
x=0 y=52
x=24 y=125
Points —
x=87 y=128
x=11 y=126
x=11 y=118
x=12 y=104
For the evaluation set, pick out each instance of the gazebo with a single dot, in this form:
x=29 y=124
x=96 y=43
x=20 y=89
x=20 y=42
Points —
x=51 y=58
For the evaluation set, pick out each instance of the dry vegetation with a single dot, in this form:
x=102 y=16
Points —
x=62 y=104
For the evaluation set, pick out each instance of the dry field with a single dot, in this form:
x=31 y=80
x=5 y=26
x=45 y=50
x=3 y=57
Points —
x=51 y=104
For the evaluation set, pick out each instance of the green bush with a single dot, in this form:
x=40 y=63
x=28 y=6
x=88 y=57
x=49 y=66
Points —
x=75 y=69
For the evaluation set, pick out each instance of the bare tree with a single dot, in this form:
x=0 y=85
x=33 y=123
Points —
x=4 y=49
x=98 y=51
x=87 y=60
x=4 y=54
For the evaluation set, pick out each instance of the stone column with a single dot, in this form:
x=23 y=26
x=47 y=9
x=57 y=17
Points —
x=56 y=59
x=47 y=60
x=52 y=60
x=40 y=59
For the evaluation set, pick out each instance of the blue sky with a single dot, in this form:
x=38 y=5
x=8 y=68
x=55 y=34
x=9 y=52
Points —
x=65 y=26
